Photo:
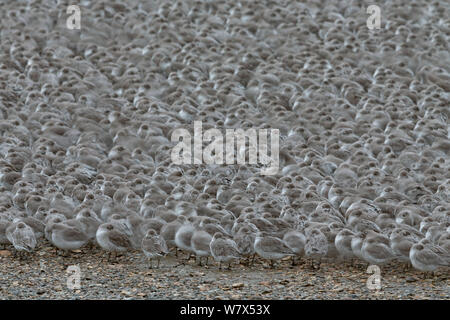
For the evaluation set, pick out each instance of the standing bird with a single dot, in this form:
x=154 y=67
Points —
x=154 y=246
x=22 y=237
x=296 y=241
x=245 y=240
x=200 y=244
x=316 y=246
x=343 y=243
x=89 y=221
x=169 y=231
x=183 y=238
x=67 y=237
x=401 y=243
x=223 y=249
x=425 y=259
x=112 y=239
x=376 y=251
x=4 y=224
x=271 y=248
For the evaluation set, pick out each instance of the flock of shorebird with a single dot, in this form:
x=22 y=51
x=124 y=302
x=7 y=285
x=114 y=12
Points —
x=86 y=119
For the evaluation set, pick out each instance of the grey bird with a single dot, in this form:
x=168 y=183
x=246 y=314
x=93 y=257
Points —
x=223 y=250
x=66 y=237
x=183 y=238
x=343 y=243
x=113 y=239
x=401 y=243
x=425 y=259
x=154 y=246
x=316 y=246
x=200 y=245
x=377 y=252
x=271 y=248
x=169 y=231
x=245 y=240
x=22 y=237
x=296 y=241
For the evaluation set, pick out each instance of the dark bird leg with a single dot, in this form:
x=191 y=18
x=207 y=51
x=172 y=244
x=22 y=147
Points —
x=253 y=259
x=150 y=260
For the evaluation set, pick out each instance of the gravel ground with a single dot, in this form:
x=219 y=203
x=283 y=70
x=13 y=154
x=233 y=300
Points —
x=44 y=276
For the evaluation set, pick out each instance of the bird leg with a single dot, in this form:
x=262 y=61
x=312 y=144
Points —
x=253 y=259
x=157 y=267
x=271 y=264
x=220 y=265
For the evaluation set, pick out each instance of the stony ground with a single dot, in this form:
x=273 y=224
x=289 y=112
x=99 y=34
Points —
x=44 y=276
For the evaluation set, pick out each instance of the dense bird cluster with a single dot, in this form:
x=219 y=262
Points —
x=86 y=118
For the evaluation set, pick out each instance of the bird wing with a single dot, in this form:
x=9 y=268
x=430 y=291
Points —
x=74 y=234
x=120 y=240
x=379 y=251
x=149 y=244
x=276 y=245
x=163 y=245
x=430 y=257
x=224 y=248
